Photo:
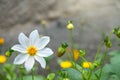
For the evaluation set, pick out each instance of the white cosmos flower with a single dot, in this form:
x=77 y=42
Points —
x=31 y=49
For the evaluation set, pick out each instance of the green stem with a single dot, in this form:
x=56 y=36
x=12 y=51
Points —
x=1 y=47
x=90 y=69
x=104 y=58
x=98 y=50
x=72 y=46
x=45 y=30
x=83 y=77
x=32 y=74
x=69 y=56
x=21 y=75
x=96 y=56
x=72 y=43
x=83 y=58
x=89 y=76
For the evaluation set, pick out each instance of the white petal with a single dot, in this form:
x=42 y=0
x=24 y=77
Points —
x=42 y=42
x=21 y=58
x=45 y=52
x=29 y=63
x=24 y=41
x=41 y=61
x=34 y=35
x=19 y=48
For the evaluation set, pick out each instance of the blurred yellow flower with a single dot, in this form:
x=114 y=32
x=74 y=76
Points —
x=66 y=64
x=70 y=26
x=43 y=22
x=2 y=59
x=2 y=41
x=86 y=64
x=76 y=54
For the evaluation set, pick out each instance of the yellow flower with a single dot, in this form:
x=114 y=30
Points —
x=66 y=64
x=70 y=26
x=86 y=64
x=2 y=59
x=76 y=54
x=2 y=41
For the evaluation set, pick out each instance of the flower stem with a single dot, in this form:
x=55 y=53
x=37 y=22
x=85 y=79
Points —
x=98 y=50
x=45 y=30
x=72 y=46
x=104 y=58
x=32 y=74
x=21 y=75
x=89 y=76
x=72 y=43
x=83 y=58
x=1 y=47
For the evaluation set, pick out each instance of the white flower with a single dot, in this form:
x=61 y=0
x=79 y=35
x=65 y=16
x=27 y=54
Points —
x=31 y=49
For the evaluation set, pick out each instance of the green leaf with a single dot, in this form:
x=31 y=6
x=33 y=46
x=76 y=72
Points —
x=114 y=53
x=73 y=74
x=51 y=76
x=115 y=63
x=30 y=78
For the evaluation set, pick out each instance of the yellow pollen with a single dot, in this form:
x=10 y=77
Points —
x=32 y=50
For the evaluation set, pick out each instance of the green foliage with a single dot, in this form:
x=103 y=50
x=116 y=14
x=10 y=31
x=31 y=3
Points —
x=30 y=78
x=7 y=72
x=70 y=73
x=51 y=76
x=111 y=71
x=115 y=62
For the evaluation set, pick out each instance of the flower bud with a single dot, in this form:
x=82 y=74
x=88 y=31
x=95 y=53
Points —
x=43 y=22
x=8 y=53
x=70 y=25
x=64 y=45
x=96 y=64
x=109 y=44
x=106 y=39
x=115 y=30
x=61 y=51
x=118 y=34
x=82 y=52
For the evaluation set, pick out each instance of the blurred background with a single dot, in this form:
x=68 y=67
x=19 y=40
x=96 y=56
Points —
x=92 y=19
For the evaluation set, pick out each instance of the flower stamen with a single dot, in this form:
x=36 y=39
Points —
x=32 y=50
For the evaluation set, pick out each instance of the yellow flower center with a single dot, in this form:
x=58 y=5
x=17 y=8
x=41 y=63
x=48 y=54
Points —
x=66 y=64
x=32 y=50
x=2 y=59
x=86 y=64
